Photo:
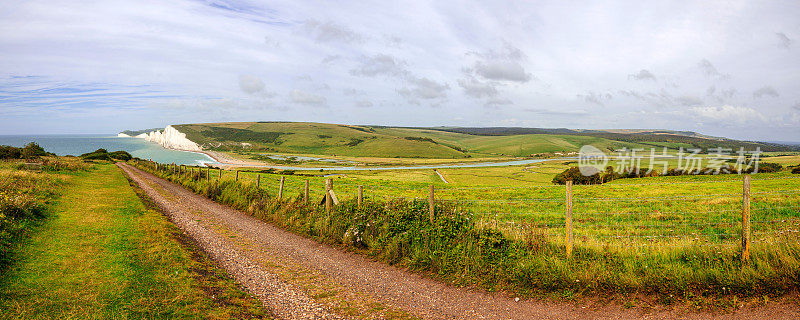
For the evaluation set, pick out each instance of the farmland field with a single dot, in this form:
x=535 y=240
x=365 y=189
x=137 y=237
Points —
x=664 y=235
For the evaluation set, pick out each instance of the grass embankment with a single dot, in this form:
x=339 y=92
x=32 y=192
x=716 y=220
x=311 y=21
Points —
x=464 y=247
x=99 y=253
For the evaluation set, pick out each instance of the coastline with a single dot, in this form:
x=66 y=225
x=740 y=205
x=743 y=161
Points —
x=227 y=160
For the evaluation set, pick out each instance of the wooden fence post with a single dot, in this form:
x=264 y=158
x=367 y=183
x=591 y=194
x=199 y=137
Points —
x=208 y=174
x=328 y=200
x=746 y=218
x=568 y=218
x=220 y=174
x=360 y=195
x=280 y=190
x=258 y=180
x=305 y=193
x=430 y=204
x=237 y=176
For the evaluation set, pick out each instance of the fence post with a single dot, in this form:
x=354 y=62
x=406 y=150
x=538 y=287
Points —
x=208 y=174
x=568 y=218
x=746 y=218
x=305 y=194
x=258 y=180
x=328 y=200
x=430 y=204
x=220 y=174
x=280 y=190
x=237 y=176
x=360 y=195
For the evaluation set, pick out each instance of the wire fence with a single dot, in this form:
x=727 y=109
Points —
x=728 y=212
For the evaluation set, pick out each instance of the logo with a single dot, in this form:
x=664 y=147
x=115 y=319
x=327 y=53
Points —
x=591 y=160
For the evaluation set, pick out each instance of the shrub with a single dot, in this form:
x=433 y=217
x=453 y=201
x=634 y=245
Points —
x=103 y=154
x=574 y=174
x=120 y=155
x=9 y=152
x=767 y=167
x=32 y=150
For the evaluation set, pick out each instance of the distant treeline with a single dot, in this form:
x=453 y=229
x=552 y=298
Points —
x=574 y=173
x=695 y=142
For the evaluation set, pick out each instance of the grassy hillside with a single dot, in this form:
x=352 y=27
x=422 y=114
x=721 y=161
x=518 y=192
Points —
x=442 y=143
x=314 y=138
x=387 y=142
x=99 y=253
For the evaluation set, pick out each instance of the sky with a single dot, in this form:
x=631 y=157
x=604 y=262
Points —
x=723 y=68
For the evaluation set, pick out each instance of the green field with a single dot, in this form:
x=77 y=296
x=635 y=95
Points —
x=98 y=253
x=677 y=237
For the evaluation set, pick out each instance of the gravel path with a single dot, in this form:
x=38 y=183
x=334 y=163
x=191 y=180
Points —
x=214 y=226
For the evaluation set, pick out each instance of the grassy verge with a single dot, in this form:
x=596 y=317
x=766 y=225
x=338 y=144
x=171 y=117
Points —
x=100 y=253
x=462 y=247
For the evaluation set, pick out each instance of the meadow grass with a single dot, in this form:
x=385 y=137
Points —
x=673 y=237
x=101 y=254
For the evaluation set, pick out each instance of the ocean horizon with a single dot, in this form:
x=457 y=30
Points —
x=77 y=144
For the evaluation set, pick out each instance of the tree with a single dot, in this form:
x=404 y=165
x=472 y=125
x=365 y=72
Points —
x=32 y=150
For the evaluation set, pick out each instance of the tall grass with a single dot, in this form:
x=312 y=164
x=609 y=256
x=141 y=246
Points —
x=23 y=199
x=24 y=196
x=460 y=248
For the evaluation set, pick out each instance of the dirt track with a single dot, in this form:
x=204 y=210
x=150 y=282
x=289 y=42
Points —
x=249 y=249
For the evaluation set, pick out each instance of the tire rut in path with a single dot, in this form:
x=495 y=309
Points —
x=389 y=285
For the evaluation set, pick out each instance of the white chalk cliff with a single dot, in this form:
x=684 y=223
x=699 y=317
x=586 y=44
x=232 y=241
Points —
x=170 y=138
x=122 y=135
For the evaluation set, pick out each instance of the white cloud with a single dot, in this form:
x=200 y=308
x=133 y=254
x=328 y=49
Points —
x=250 y=84
x=477 y=89
x=502 y=70
x=710 y=70
x=765 y=91
x=380 y=65
x=424 y=89
x=642 y=75
x=783 y=40
x=578 y=112
x=596 y=98
x=501 y=65
x=729 y=115
x=364 y=104
x=331 y=32
x=305 y=98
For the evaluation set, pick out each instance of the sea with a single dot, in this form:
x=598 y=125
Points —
x=76 y=145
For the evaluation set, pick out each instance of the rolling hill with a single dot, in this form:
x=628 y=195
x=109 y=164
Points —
x=436 y=142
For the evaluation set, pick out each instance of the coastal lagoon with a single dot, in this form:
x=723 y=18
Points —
x=75 y=145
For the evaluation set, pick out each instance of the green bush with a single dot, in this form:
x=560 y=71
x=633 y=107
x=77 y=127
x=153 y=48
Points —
x=574 y=174
x=30 y=151
x=103 y=154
